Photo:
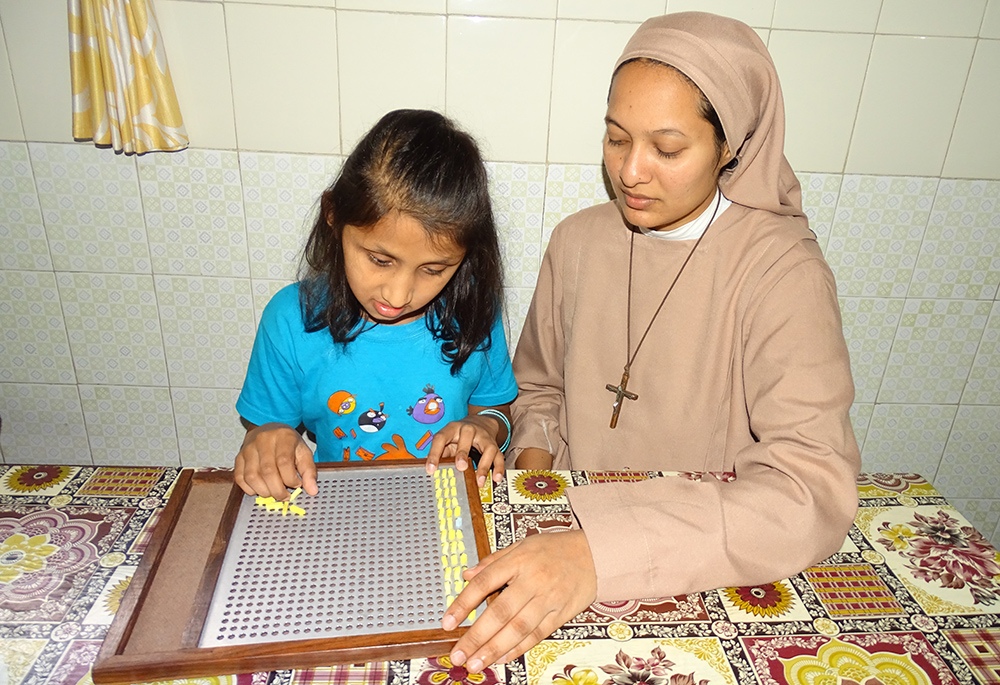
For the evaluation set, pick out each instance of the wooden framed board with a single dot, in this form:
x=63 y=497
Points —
x=227 y=586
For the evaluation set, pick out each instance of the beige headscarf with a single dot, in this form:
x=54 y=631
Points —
x=731 y=65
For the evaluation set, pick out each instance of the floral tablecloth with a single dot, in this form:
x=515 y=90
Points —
x=912 y=597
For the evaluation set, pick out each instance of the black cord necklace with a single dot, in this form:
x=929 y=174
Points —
x=621 y=390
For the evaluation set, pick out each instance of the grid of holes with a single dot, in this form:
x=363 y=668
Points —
x=364 y=560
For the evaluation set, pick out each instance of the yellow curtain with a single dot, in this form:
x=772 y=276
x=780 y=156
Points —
x=123 y=96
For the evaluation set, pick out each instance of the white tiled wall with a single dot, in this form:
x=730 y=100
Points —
x=130 y=289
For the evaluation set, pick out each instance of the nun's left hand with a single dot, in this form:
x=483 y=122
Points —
x=549 y=579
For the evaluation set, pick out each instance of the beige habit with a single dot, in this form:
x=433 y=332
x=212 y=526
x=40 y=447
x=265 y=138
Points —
x=745 y=370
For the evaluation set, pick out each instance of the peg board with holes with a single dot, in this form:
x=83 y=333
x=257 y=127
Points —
x=364 y=574
x=377 y=551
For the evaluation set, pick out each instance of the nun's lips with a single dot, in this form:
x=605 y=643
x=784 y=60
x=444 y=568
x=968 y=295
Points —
x=638 y=201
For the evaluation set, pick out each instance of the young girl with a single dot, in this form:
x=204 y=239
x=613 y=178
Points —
x=391 y=346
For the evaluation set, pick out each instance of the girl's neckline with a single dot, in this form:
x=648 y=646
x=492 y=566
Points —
x=403 y=331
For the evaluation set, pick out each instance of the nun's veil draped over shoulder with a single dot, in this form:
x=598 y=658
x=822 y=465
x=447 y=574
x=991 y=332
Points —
x=729 y=62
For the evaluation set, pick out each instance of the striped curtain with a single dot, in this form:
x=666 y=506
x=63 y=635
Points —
x=123 y=96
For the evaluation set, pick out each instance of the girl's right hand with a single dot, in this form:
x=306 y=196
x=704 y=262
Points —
x=458 y=438
x=274 y=457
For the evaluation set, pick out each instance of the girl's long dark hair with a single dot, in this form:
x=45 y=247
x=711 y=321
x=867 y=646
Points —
x=418 y=163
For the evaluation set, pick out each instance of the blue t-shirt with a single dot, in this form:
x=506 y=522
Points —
x=384 y=394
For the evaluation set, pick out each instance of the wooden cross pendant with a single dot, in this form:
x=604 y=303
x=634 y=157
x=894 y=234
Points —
x=620 y=392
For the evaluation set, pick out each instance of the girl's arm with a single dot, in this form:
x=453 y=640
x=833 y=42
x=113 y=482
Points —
x=532 y=458
x=480 y=431
x=273 y=458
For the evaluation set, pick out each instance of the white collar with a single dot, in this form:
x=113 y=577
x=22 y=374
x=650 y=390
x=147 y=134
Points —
x=693 y=229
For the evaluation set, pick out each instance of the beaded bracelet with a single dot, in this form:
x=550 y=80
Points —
x=503 y=419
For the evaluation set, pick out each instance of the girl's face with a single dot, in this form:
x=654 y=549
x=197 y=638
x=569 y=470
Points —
x=395 y=269
x=659 y=150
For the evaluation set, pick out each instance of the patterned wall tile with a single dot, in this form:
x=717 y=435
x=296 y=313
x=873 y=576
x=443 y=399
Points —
x=193 y=203
x=280 y=196
x=907 y=438
x=22 y=234
x=983 y=386
x=114 y=328
x=970 y=468
x=516 y=306
x=820 y=193
x=33 y=343
x=869 y=328
x=932 y=354
x=984 y=514
x=209 y=432
x=877 y=229
x=518 y=192
x=570 y=188
x=208 y=329
x=263 y=291
x=861 y=416
x=91 y=208
x=130 y=426
x=960 y=255
x=42 y=424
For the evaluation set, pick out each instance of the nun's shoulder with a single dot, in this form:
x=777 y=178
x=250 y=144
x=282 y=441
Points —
x=760 y=228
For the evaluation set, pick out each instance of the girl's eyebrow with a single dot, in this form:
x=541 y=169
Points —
x=659 y=131
x=380 y=249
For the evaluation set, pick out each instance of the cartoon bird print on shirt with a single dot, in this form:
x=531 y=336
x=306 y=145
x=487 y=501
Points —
x=373 y=420
x=341 y=402
x=429 y=408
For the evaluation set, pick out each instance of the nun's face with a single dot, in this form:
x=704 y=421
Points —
x=659 y=150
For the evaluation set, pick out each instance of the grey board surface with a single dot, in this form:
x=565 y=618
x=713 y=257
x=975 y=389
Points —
x=365 y=559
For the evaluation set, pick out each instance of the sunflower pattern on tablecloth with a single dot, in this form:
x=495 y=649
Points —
x=441 y=671
x=36 y=480
x=776 y=601
x=538 y=487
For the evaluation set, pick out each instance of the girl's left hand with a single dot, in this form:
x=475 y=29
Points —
x=459 y=437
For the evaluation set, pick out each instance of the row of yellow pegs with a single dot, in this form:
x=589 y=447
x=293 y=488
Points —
x=454 y=559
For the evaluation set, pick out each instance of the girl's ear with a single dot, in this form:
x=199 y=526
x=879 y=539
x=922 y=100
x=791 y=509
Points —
x=329 y=218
